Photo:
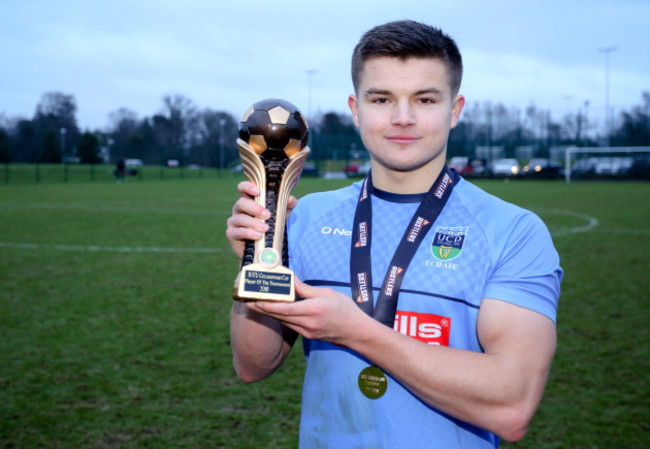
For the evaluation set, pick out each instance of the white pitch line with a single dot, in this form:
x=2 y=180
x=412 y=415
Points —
x=623 y=231
x=117 y=249
x=592 y=222
x=85 y=207
x=592 y=225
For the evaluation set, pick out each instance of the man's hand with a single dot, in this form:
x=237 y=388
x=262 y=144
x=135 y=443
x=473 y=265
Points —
x=248 y=219
x=324 y=314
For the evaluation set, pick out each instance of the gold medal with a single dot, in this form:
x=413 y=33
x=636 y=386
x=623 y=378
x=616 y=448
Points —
x=373 y=382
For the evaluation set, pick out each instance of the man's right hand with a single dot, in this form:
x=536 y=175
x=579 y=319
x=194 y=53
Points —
x=248 y=219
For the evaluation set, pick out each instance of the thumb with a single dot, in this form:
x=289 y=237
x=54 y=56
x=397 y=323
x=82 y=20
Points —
x=306 y=291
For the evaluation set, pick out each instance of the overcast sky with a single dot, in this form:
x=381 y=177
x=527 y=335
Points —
x=226 y=55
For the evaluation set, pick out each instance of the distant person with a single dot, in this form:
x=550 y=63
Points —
x=429 y=322
x=120 y=170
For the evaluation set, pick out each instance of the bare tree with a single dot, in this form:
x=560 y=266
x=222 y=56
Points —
x=178 y=111
x=216 y=133
x=56 y=113
x=123 y=123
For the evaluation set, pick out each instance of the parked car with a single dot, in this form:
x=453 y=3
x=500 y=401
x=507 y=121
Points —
x=469 y=167
x=640 y=168
x=477 y=168
x=613 y=166
x=542 y=168
x=506 y=167
x=604 y=167
x=133 y=163
x=309 y=169
x=460 y=164
x=584 y=168
x=356 y=169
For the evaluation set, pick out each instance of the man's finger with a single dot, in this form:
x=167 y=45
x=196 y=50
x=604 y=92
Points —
x=248 y=206
x=248 y=188
x=308 y=291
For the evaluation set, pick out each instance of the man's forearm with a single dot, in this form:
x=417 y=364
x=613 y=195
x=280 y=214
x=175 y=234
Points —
x=259 y=343
x=498 y=390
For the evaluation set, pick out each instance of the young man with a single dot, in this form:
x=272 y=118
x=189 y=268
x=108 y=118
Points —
x=429 y=319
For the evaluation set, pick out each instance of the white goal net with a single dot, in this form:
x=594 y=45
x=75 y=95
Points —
x=607 y=162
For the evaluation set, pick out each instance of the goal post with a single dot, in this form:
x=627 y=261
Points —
x=600 y=153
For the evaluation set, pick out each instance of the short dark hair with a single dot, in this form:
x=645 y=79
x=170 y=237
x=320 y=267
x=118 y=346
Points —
x=406 y=39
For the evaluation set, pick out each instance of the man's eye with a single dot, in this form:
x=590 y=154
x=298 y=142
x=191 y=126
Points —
x=380 y=100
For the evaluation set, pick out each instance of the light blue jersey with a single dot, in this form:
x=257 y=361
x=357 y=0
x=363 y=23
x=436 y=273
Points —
x=479 y=247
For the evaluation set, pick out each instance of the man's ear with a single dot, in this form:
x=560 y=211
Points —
x=456 y=109
x=354 y=108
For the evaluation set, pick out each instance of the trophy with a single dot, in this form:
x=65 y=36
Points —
x=272 y=143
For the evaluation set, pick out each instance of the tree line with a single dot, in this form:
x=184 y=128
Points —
x=182 y=132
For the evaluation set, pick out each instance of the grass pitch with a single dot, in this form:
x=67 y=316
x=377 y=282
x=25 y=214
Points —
x=114 y=304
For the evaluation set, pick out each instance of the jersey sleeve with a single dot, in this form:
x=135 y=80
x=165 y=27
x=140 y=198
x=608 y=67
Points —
x=526 y=268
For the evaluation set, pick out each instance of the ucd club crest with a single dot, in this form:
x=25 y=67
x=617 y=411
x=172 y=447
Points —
x=448 y=242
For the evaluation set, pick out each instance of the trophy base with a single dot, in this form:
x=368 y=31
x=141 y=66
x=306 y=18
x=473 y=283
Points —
x=256 y=282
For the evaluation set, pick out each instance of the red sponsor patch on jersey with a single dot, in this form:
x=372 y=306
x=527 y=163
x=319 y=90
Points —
x=425 y=327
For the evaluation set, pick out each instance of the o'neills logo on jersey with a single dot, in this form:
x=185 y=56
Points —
x=448 y=242
x=363 y=235
x=446 y=180
x=362 y=279
x=394 y=272
x=417 y=227
x=425 y=327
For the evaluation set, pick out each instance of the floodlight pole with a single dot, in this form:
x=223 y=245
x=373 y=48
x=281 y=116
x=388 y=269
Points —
x=607 y=51
x=63 y=131
x=222 y=123
x=110 y=143
x=63 y=158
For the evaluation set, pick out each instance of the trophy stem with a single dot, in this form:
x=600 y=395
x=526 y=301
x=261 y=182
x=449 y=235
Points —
x=276 y=180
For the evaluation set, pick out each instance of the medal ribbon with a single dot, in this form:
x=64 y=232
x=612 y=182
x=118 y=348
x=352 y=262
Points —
x=360 y=263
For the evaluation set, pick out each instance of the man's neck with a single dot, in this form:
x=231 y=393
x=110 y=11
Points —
x=406 y=182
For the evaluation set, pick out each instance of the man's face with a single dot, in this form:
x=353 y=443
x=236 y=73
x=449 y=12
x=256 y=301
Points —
x=404 y=110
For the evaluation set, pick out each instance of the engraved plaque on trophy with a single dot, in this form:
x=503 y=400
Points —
x=272 y=143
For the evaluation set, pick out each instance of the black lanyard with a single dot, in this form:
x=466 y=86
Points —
x=360 y=263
